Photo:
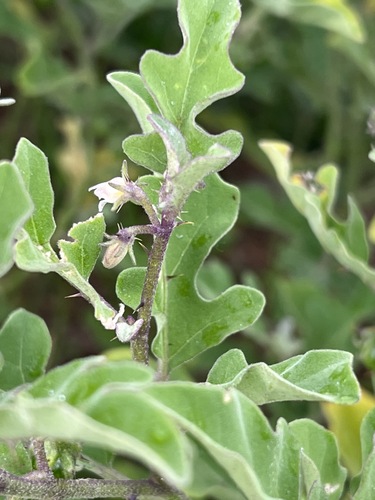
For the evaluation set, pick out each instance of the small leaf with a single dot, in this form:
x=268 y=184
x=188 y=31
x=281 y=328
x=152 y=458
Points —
x=131 y=87
x=177 y=154
x=322 y=473
x=346 y=241
x=62 y=458
x=35 y=258
x=33 y=166
x=15 y=208
x=15 y=458
x=305 y=463
x=84 y=251
x=315 y=376
x=25 y=345
x=147 y=151
x=366 y=481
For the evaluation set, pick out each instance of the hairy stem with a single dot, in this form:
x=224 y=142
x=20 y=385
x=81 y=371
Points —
x=139 y=346
x=36 y=487
x=41 y=457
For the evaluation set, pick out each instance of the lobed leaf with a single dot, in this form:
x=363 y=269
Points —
x=15 y=207
x=194 y=324
x=324 y=375
x=183 y=85
x=84 y=251
x=25 y=345
x=33 y=166
x=346 y=241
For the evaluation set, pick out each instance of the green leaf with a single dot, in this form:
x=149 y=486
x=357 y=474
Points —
x=34 y=258
x=184 y=174
x=366 y=481
x=131 y=87
x=201 y=73
x=116 y=406
x=126 y=424
x=15 y=208
x=25 y=345
x=366 y=485
x=322 y=474
x=315 y=376
x=183 y=85
x=147 y=151
x=178 y=156
x=333 y=15
x=229 y=426
x=194 y=324
x=124 y=421
x=367 y=434
x=314 y=198
x=14 y=458
x=33 y=166
x=84 y=251
x=209 y=479
x=262 y=464
x=76 y=381
x=62 y=458
x=305 y=463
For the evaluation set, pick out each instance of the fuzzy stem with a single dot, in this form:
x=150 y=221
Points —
x=139 y=346
x=41 y=457
x=35 y=487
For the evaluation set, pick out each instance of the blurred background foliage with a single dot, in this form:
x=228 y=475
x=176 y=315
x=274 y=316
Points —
x=310 y=80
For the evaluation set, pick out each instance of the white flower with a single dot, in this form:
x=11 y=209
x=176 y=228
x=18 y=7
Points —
x=107 y=193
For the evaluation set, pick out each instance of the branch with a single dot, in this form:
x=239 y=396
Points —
x=35 y=486
x=139 y=346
